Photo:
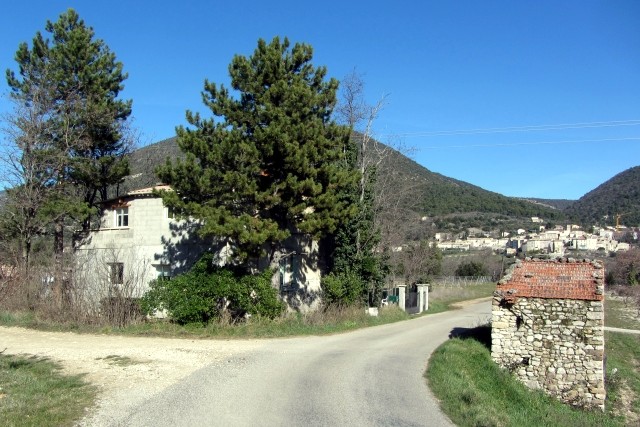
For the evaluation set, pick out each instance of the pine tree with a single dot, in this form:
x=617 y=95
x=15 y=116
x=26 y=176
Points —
x=270 y=160
x=83 y=81
x=77 y=81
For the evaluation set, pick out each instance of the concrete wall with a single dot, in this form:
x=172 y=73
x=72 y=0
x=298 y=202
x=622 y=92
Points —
x=153 y=244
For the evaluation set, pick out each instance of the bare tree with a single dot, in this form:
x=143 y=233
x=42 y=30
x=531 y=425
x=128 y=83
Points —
x=394 y=206
x=31 y=164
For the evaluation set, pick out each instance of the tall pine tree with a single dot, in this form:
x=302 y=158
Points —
x=78 y=80
x=89 y=123
x=270 y=160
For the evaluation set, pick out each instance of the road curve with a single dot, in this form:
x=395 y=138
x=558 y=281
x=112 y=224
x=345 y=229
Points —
x=370 y=377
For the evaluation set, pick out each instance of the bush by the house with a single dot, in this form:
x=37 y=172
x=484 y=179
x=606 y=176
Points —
x=342 y=289
x=208 y=292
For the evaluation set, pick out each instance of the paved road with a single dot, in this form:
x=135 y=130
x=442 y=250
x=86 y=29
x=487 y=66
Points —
x=371 y=377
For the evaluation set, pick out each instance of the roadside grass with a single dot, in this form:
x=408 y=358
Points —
x=621 y=313
x=474 y=391
x=33 y=392
x=323 y=322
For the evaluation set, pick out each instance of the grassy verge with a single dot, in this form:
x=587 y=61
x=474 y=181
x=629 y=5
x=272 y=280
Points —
x=315 y=323
x=292 y=324
x=621 y=313
x=623 y=375
x=33 y=392
x=474 y=391
x=442 y=298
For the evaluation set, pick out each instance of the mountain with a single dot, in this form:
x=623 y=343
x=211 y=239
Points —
x=437 y=195
x=560 y=204
x=410 y=186
x=142 y=165
x=618 y=196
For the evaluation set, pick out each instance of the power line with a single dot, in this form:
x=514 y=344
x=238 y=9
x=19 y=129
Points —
x=532 y=128
x=531 y=143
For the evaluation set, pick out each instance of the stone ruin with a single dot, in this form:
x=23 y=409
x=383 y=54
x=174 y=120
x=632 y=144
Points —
x=548 y=328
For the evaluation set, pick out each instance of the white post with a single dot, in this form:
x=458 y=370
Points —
x=401 y=290
x=423 y=297
x=426 y=297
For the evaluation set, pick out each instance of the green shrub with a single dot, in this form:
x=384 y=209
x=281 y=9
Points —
x=207 y=292
x=471 y=269
x=342 y=289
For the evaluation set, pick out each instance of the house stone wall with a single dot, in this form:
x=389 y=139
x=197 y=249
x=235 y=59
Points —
x=552 y=344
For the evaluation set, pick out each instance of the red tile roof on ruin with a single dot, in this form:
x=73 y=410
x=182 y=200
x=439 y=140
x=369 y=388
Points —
x=557 y=279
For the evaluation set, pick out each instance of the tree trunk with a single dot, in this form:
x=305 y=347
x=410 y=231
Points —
x=58 y=253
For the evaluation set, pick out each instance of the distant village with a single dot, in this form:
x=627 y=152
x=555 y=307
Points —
x=559 y=241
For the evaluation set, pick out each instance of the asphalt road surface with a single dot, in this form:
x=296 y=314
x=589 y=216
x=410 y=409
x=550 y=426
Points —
x=370 y=377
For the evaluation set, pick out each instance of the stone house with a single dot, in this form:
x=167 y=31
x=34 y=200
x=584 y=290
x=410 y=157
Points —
x=138 y=239
x=548 y=328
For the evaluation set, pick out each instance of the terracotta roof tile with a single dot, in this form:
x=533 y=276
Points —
x=561 y=279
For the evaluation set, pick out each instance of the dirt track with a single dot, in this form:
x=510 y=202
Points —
x=127 y=370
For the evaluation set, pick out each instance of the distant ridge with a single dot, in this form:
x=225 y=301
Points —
x=560 y=204
x=618 y=196
x=431 y=194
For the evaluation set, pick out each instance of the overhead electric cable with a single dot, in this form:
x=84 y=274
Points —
x=532 y=128
x=531 y=143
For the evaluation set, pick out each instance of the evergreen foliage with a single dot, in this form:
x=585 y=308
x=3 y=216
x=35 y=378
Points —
x=618 y=196
x=343 y=288
x=471 y=269
x=66 y=133
x=207 y=291
x=86 y=122
x=270 y=160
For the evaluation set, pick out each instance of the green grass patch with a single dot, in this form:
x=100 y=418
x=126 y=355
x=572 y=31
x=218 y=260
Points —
x=325 y=322
x=474 y=391
x=33 y=392
x=443 y=298
x=621 y=313
x=293 y=324
x=623 y=374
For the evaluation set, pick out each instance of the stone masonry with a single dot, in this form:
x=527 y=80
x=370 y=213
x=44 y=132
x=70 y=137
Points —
x=548 y=328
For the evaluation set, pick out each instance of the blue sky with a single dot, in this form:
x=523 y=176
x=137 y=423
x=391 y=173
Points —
x=509 y=72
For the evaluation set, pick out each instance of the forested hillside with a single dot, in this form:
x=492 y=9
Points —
x=410 y=186
x=560 y=204
x=436 y=195
x=618 y=196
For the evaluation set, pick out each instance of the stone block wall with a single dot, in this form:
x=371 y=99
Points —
x=553 y=343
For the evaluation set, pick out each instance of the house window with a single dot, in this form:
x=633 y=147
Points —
x=163 y=271
x=169 y=213
x=122 y=217
x=289 y=271
x=116 y=273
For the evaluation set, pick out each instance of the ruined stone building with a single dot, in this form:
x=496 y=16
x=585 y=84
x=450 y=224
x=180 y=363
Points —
x=548 y=328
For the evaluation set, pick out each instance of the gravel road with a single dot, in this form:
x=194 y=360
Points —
x=370 y=377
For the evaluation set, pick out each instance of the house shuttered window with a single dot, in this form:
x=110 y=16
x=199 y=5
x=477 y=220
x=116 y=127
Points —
x=289 y=271
x=122 y=217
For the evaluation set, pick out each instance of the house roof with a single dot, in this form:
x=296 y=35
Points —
x=562 y=278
